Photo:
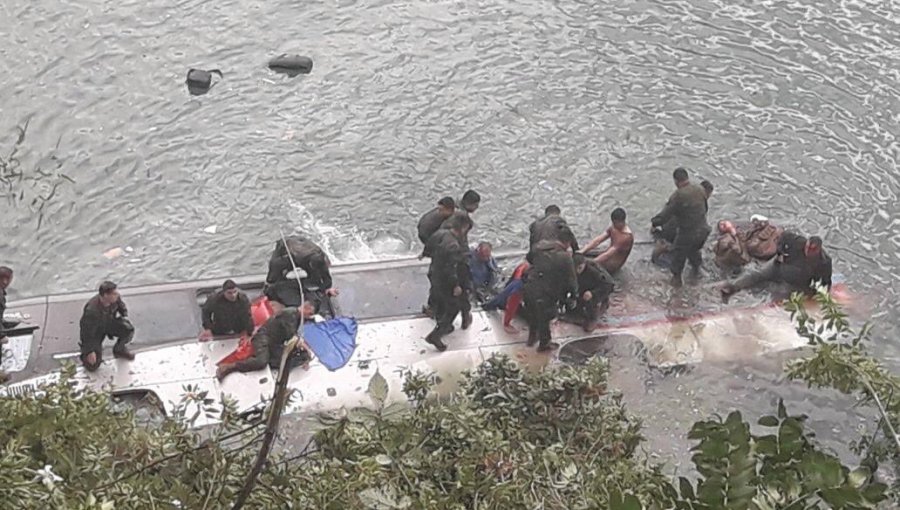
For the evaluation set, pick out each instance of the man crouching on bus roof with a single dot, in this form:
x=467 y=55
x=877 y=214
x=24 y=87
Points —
x=105 y=315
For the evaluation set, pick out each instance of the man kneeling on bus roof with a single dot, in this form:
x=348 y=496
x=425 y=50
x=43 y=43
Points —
x=269 y=340
x=226 y=312
x=105 y=315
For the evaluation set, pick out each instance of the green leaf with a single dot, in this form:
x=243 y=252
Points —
x=782 y=412
x=685 y=487
x=631 y=502
x=874 y=492
x=858 y=477
x=768 y=421
x=378 y=388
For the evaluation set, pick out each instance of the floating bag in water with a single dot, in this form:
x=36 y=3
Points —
x=199 y=81
x=332 y=341
x=291 y=65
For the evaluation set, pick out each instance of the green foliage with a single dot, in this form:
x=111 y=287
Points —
x=508 y=438
x=840 y=361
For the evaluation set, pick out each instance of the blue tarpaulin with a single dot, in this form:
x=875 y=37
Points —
x=332 y=341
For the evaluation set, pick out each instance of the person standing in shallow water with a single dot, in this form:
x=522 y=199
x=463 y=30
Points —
x=550 y=280
x=105 y=315
x=687 y=208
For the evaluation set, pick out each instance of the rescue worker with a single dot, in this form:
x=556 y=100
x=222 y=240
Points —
x=433 y=219
x=595 y=285
x=450 y=279
x=309 y=257
x=105 y=315
x=552 y=227
x=483 y=269
x=621 y=241
x=687 y=208
x=665 y=237
x=800 y=262
x=269 y=340
x=226 y=312
x=550 y=280
x=468 y=204
x=6 y=277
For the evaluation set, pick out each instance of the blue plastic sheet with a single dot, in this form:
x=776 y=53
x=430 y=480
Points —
x=332 y=341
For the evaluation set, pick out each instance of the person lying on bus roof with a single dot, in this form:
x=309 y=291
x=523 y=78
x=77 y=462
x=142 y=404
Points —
x=105 y=315
x=269 y=340
x=226 y=312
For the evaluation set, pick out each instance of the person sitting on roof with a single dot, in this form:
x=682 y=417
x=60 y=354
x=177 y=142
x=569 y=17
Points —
x=621 y=241
x=308 y=256
x=269 y=341
x=226 y=312
x=105 y=315
x=800 y=262
x=484 y=270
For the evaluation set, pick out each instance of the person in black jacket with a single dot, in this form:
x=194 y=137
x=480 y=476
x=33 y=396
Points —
x=6 y=276
x=309 y=257
x=431 y=221
x=105 y=315
x=552 y=227
x=550 y=281
x=450 y=279
x=686 y=208
x=799 y=262
x=595 y=285
x=227 y=312
x=269 y=340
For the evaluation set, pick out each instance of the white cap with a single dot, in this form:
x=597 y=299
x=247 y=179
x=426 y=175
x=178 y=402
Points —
x=758 y=218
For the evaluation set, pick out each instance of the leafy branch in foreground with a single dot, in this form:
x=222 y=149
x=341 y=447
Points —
x=35 y=187
x=840 y=361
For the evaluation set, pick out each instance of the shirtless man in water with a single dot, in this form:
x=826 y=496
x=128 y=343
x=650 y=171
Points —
x=621 y=240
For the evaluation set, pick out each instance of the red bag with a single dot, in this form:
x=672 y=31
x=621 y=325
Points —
x=243 y=351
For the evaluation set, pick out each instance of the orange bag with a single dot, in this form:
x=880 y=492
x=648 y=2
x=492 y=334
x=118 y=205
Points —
x=243 y=351
x=261 y=310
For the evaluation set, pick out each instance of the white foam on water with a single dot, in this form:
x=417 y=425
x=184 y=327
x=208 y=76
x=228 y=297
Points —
x=341 y=244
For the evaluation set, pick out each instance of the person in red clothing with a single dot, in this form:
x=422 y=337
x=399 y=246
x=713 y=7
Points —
x=511 y=298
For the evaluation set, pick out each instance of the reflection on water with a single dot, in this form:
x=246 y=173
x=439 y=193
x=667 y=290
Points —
x=789 y=107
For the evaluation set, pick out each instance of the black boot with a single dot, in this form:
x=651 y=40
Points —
x=122 y=352
x=434 y=338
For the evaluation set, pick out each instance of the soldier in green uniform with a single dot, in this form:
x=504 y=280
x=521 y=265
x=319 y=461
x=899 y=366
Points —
x=6 y=276
x=105 y=315
x=686 y=208
x=226 y=312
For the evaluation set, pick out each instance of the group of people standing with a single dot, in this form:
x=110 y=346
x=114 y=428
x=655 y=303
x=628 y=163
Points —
x=557 y=274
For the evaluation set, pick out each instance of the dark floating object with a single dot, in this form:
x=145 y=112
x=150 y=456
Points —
x=199 y=81
x=291 y=65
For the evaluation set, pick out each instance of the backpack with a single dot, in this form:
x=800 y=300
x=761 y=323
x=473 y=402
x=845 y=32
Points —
x=761 y=240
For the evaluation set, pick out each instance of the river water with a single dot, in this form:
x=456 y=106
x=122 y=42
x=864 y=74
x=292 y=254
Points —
x=790 y=107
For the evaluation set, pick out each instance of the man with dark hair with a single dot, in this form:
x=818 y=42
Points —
x=595 y=285
x=226 y=312
x=621 y=241
x=433 y=219
x=799 y=262
x=309 y=257
x=6 y=277
x=450 y=279
x=269 y=340
x=687 y=208
x=470 y=201
x=552 y=227
x=105 y=316
x=550 y=280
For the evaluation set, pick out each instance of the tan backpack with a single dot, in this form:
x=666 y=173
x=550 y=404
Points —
x=761 y=240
